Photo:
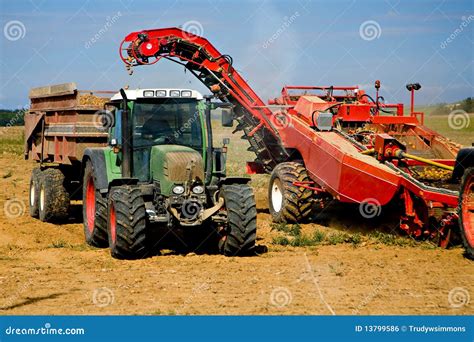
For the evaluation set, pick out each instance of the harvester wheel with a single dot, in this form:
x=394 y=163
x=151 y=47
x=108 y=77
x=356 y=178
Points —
x=34 y=192
x=239 y=234
x=466 y=211
x=127 y=223
x=53 y=203
x=287 y=202
x=94 y=210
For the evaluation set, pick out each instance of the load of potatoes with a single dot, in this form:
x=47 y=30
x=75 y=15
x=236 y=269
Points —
x=433 y=174
x=92 y=100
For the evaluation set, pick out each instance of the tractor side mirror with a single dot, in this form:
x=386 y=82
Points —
x=227 y=117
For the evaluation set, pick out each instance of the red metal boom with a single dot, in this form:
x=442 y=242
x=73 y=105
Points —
x=215 y=70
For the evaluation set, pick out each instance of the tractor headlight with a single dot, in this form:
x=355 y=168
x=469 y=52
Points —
x=198 y=189
x=178 y=190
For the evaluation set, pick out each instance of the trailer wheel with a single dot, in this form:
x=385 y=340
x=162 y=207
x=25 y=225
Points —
x=466 y=211
x=53 y=201
x=240 y=232
x=287 y=202
x=127 y=223
x=34 y=192
x=94 y=210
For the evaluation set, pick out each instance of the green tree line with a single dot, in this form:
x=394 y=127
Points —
x=445 y=108
x=12 y=117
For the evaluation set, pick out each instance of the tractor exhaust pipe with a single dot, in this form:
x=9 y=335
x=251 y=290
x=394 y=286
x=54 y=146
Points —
x=126 y=138
x=209 y=155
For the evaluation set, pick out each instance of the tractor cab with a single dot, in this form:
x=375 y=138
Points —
x=163 y=122
x=162 y=140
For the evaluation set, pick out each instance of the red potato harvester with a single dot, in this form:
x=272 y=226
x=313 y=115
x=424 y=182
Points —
x=332 y=142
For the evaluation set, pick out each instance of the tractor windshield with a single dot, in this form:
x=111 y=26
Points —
x=169 y=121
x=163 y=122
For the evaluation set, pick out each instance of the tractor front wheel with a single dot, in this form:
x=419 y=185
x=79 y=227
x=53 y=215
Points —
x=238 y=235
x=127 y=223
x=466 y=211
x=288 y=202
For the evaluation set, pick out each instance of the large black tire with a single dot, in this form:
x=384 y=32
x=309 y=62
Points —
x=238 y=236
x=53 y=196
x=127 y=223
x=289 y=203
x=466 y=211
x=94 y=210
x=34 y=192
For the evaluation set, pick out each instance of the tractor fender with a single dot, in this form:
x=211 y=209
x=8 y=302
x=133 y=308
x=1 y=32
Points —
x=122 y=181
x=464 y=160
x=234 y=180
x=97 y=158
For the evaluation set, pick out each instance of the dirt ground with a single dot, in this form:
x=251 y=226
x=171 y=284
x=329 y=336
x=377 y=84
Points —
x=48 y=269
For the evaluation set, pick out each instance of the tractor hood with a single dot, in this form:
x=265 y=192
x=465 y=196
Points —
x=172 y=164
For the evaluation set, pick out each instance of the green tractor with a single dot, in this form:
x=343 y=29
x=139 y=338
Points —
x=160 y=168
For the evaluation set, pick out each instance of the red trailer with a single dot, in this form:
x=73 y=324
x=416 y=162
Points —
x=62 y=122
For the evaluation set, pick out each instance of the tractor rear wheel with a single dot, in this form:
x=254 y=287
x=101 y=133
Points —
x=466 y=211
x=53 y=203
x=94 y=210
x=287 y=202
x=127 y=223
x=34 y=192
x=238 y=235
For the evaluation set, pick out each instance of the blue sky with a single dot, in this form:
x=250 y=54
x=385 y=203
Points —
x=273 y=43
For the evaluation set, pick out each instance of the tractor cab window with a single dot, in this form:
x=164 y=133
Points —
x=169 y=121
x=163 y=122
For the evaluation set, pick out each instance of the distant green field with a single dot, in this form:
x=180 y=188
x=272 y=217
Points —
x=11 y=140
x=441 y=124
